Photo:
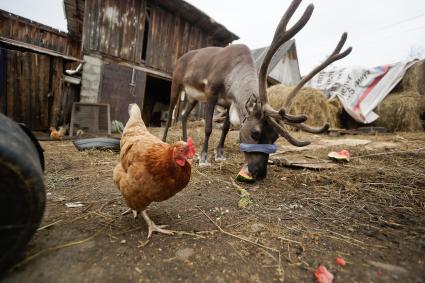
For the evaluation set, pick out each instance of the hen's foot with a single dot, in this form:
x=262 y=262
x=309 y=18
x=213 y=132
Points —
x=156 y=228
x=135 y=213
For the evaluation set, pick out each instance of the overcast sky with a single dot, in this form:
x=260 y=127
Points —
x=380 y=31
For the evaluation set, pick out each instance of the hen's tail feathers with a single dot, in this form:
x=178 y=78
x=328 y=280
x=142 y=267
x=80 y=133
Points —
x=135 y=119
x=134 y=110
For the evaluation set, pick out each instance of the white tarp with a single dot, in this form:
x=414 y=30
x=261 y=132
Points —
x=360 y=90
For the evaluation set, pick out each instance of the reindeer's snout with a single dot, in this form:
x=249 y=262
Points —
x=257 y=157
x=257 y=164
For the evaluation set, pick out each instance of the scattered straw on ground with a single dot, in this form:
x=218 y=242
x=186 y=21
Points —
x=368 y=210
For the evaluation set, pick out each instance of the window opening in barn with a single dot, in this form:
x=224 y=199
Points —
x=146 y=33
x=156 y=101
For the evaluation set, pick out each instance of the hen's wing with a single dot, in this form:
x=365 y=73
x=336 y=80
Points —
x=130 y=175
x=136 y=138
x=131 y=188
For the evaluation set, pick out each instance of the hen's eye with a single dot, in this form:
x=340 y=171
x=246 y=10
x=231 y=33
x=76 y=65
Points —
x=255 y=135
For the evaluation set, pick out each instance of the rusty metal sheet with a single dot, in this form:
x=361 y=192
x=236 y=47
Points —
x=121 y=86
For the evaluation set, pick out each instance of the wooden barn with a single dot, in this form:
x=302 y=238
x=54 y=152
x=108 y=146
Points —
x=33 y=57
x=128 y=50
x=130 y=47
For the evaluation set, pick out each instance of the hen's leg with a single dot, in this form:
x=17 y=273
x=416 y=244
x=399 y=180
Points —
x=135 y=213
x=155 y=228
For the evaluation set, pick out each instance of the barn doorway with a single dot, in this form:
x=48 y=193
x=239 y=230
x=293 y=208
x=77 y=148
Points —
x=156 y=101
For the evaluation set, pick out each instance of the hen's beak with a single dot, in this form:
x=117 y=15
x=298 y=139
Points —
x=189 y=160
x=190 y=155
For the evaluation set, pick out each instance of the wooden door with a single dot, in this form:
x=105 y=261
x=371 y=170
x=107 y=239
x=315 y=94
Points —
x=120 y=87
x=26 y=86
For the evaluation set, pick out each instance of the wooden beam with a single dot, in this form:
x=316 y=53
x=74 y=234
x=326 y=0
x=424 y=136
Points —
x=37 y=49
x=156 y=73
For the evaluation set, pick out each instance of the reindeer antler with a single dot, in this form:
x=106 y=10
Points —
x=281 y=35
x=279 y=118
x=336 y=55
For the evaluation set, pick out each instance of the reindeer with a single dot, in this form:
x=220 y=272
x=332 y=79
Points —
x=227 y=76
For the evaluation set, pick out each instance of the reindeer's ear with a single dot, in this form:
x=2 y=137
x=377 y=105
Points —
x=253 y=106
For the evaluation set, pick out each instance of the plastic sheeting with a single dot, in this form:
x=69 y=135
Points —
x=360 y=90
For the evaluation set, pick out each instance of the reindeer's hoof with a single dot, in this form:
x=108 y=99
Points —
x=203 y=161
x=219 y=155
x=204 y=164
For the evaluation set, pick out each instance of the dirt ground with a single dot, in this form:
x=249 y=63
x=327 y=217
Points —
x=369 y=211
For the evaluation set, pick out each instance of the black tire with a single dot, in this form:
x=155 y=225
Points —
x=22 y=193
x=98 y=143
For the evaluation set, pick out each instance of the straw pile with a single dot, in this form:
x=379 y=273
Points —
x=414 y=79
x=404 y=108
x=308 y=101
x=402 y=111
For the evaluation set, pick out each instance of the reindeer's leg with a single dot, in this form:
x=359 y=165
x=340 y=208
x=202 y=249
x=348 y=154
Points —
x=209 y=113
x=189 y=107
x=175 y=94
x=219 y=153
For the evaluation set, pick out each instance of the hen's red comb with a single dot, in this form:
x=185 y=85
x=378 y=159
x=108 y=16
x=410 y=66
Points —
x=191 y=146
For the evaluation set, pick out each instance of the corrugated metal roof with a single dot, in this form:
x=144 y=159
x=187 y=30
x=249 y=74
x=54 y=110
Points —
x=283 y=66
x=260 y=53
x=74 y=12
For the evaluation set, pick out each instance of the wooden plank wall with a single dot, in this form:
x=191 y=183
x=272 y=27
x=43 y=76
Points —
x=110 y=30
x=56 y=86
x=23 y=30
x=112 y=27
x=169 y=38
x=30 y=77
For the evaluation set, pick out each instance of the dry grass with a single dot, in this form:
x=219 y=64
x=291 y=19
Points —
x=370 y=209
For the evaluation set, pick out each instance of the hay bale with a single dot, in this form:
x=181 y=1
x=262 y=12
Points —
x=414 y=79
x=314 y=104
x=402 y=111
x=277 y=95
x=335 y=110
x=311 y=102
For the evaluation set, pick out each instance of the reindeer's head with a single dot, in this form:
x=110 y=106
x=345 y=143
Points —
x=263 y=124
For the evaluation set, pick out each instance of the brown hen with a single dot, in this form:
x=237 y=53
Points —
x=149 y=169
